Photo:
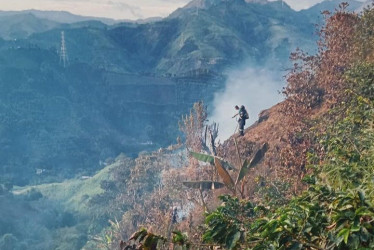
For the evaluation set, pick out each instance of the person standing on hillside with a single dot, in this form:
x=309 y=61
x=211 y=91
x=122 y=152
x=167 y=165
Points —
x=243 y=115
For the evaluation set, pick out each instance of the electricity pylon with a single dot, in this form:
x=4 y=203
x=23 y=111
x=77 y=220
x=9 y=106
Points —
x=64 y=59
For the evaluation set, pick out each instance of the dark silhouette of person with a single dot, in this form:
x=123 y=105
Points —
x=243 y=115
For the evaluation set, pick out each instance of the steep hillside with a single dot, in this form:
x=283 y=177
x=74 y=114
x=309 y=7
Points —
x=280 y=132
x=126 y=86
x=304 y=178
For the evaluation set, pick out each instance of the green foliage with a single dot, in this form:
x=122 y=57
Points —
x=293 y=226
x=181 y=239
x=229 y=224
x=210 y=159
x=222 y=166
x=322 y=218
x=349 y=162
x=221 y=170
x=145 y=241
x=203 y=157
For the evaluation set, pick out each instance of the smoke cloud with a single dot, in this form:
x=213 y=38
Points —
x=256 y=89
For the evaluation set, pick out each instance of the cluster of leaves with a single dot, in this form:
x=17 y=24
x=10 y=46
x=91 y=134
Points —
x=229 y=224
x=222 y=166
x=322 y=218
x=348 y=144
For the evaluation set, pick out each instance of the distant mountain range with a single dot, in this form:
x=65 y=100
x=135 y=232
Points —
x=58 y=16
x=21 y=24
x=126 y=84
x=14 y=23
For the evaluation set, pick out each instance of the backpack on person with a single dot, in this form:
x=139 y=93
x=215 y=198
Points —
x=243 y=113
x=246 y=116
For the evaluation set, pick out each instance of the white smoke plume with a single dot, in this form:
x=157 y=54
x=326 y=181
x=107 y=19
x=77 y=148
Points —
x=256 y=89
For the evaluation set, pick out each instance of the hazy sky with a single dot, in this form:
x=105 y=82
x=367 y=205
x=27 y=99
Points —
x=117 y=9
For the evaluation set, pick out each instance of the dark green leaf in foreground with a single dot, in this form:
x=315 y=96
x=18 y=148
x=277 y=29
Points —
x=210 y=159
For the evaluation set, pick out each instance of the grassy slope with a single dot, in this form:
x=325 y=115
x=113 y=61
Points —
x=64 y=218
x=70 y=193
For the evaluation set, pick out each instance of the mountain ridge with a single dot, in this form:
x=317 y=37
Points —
x=97 y=106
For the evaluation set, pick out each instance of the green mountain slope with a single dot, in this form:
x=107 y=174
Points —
x=54 y=216
x=126 y=86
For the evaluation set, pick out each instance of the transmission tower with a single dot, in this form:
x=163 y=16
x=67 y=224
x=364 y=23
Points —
x=64 y=59
x=181 y=42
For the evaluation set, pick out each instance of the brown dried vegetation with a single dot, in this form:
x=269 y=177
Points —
x=316 y=86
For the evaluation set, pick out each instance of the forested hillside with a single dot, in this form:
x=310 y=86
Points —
x=313 y=188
